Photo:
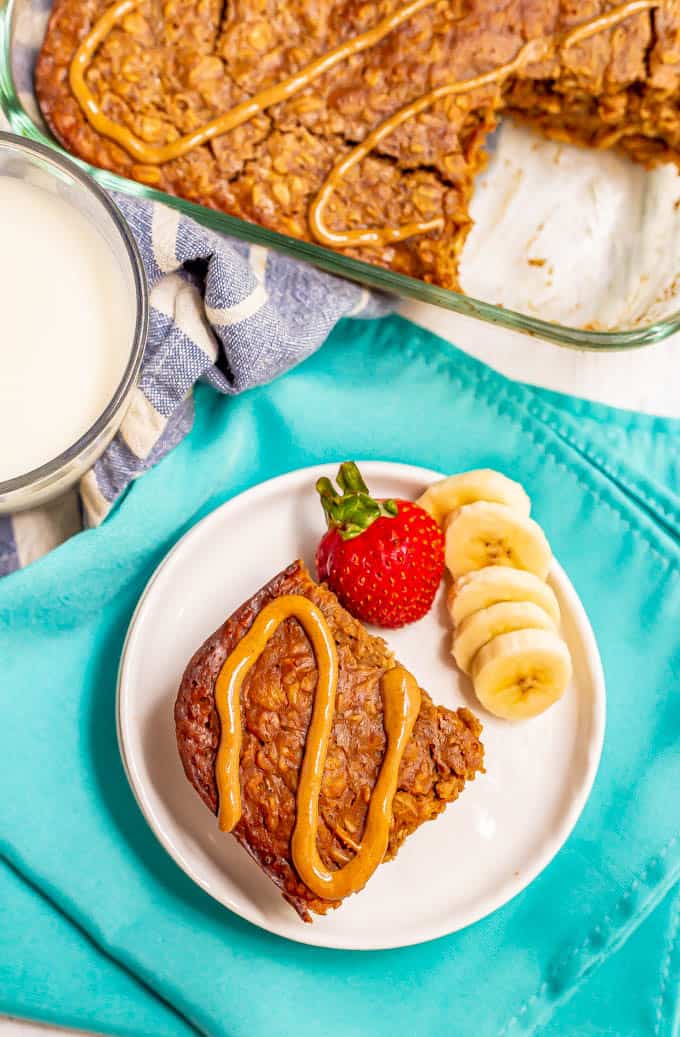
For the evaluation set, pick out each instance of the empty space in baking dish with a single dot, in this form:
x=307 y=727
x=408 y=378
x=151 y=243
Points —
x=582 y=237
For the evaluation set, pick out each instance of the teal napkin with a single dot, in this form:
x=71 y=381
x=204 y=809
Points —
x=74 y=842
x=636 y=991
x=52 y=971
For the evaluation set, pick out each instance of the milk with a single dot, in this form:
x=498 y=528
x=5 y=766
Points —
x=66 y=325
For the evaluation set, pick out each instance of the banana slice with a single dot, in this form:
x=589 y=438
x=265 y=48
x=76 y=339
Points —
x=483 y=587
x=502 y=618
x=521 y=674
x=447 y=495
x=484 y=533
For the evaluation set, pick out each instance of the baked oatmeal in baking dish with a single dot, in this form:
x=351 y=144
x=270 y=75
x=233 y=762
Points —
x=357 y=125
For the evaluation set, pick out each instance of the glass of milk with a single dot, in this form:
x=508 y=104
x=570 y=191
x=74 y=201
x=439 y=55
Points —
x=73 y=322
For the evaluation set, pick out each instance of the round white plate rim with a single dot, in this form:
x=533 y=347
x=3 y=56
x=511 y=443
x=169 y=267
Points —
x=509 y=889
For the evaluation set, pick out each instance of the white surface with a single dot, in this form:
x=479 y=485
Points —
x=549 y=761
x=67 y=325
x=638 y=379
x=21 y=1028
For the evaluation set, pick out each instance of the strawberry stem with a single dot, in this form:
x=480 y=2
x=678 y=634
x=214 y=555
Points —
x=353 y=510
x=350 y=479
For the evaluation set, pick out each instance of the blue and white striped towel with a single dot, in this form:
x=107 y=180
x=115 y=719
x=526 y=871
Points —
x=227 y=313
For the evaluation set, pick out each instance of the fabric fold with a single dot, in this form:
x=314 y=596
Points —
x=52 y=972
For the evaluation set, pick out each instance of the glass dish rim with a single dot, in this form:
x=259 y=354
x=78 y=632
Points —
x=46 y=472
x=324 y=258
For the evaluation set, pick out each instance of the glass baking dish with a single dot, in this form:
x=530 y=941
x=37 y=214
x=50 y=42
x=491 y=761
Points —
x=587 y=258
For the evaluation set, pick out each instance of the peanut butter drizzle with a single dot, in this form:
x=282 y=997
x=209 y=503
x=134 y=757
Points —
x=157 y=154
x=537 y=49
x=534 y=50
x=401 y=703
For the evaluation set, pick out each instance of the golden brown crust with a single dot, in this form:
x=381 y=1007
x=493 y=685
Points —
x=619 y=88
x=171 y=67
x=276 y=702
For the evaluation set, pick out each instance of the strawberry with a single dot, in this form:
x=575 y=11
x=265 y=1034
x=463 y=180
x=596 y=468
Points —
x=383 y=559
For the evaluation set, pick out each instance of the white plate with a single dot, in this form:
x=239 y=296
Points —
x=508 y=823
